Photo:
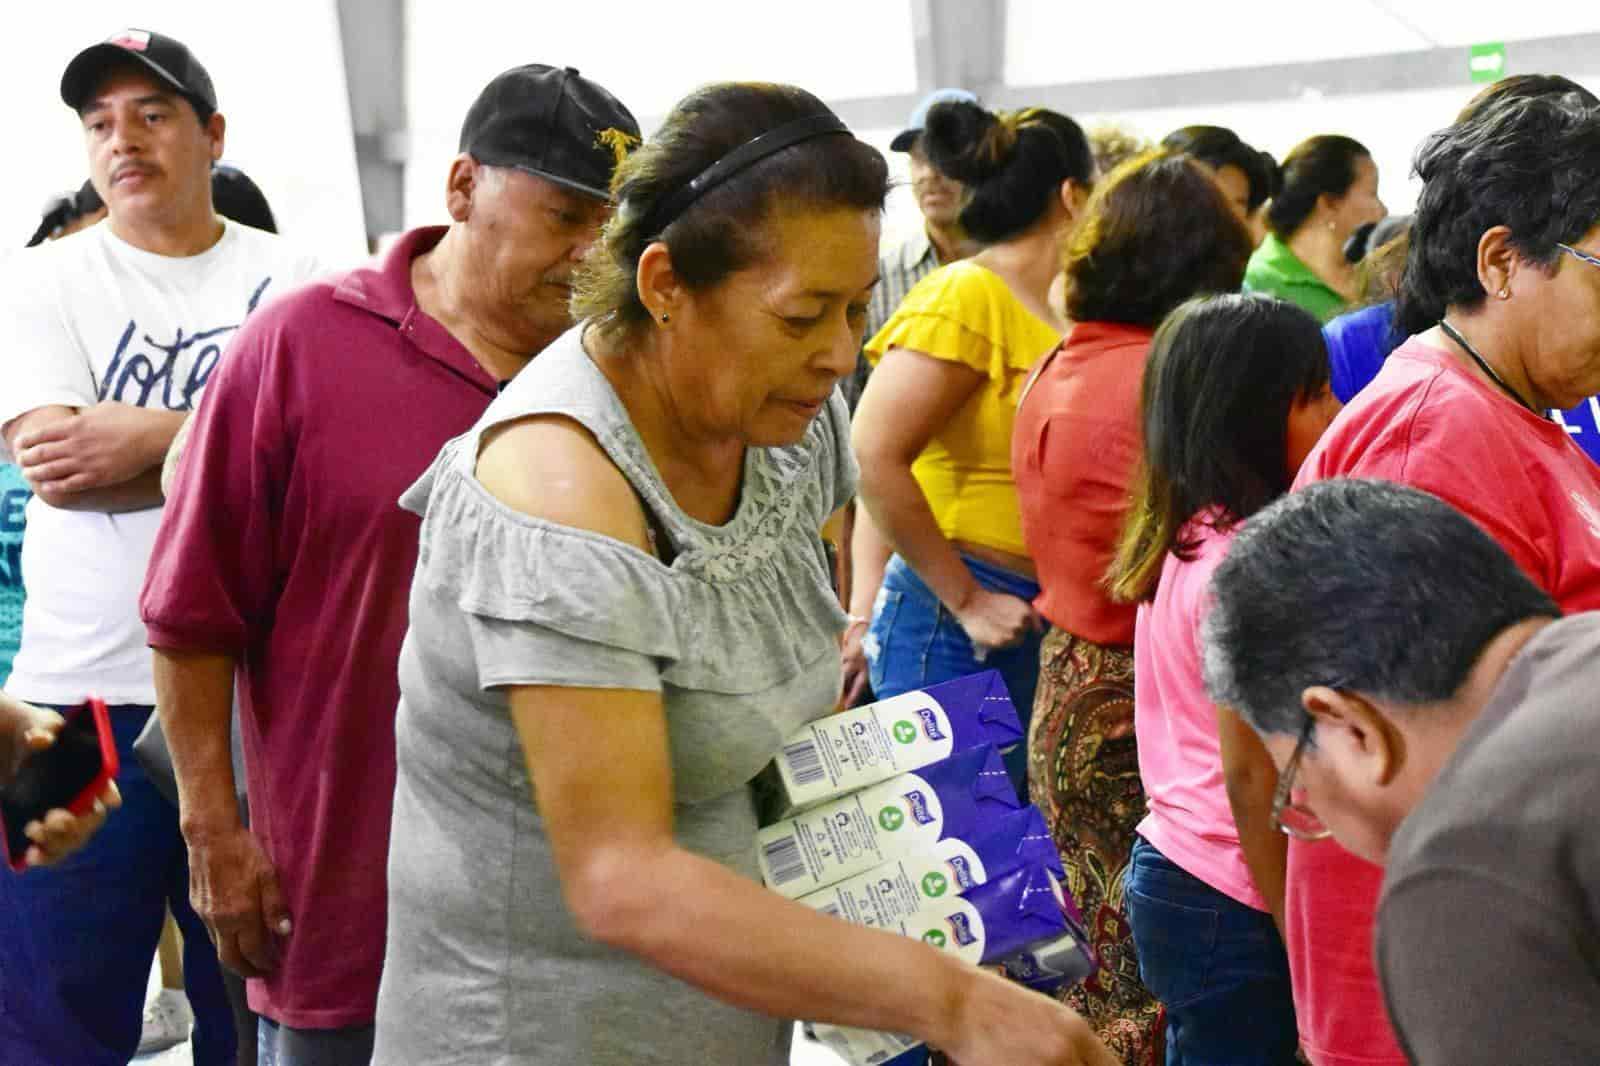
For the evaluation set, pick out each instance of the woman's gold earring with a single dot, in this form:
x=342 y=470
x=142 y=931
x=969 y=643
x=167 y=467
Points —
x=1505 y=294
x=664 y=317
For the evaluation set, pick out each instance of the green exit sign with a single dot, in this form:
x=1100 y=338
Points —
x=1487 y=62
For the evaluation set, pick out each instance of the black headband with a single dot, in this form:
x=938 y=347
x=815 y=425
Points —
x=741 y=158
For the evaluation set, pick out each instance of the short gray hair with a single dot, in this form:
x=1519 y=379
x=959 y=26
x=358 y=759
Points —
x=1359 y=585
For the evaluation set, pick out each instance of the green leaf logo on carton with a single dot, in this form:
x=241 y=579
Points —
x=934 y=884
x=905 y=732
x=891 y=818
x=934 y=937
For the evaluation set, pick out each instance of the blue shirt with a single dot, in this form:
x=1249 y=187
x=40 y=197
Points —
x=14 y=493
x=1359 y=342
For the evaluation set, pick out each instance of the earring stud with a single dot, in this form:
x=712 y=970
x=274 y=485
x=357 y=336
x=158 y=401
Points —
x=664 y=317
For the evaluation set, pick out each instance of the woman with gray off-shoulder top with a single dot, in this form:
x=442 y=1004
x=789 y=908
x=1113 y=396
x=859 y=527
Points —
x=622 y=605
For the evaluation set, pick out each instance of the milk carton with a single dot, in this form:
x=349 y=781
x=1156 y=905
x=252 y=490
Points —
x=884 y=895
x=902 y=816
x=853 y=749
x=986 y=925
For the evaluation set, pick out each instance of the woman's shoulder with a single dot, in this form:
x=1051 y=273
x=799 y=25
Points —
x=964 y=312
x=964 y=282
x=551 y=467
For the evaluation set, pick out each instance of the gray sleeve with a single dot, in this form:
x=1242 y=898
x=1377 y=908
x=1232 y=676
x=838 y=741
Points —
x=526 y=653
x=1480 y=973
x=44 y=365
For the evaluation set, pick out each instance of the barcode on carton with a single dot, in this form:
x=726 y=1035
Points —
x=832 y=910
x=805 y=762
x=783 y=859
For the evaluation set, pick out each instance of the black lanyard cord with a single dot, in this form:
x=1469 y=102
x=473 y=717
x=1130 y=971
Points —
x=1483 y=365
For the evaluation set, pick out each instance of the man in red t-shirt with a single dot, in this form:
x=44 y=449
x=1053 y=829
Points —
x=285 y=560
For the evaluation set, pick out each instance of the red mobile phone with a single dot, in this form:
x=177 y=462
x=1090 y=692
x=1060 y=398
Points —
x=71 y=773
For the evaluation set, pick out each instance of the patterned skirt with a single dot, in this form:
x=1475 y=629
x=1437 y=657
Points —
x=1083 y=769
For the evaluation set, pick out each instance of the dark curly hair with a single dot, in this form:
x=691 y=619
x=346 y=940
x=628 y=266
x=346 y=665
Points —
x=1529 y=164
x=1525 y=86
x=1011 y=162
x=1218 y=147
x=1157 y=232
x=722 y=231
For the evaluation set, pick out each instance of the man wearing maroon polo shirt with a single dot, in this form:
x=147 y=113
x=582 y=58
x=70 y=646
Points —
x=284 y=559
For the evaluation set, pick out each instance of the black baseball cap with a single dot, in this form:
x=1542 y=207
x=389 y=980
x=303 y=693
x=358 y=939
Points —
x=549 y=121
x=168 y=61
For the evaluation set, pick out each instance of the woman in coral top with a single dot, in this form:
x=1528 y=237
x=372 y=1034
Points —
x=1235 y=394
x=1156 y=233
x=1501 y=294
x=933 y=429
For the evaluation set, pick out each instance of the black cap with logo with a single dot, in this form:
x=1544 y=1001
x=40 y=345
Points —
x=552 y=122
x=168 y=61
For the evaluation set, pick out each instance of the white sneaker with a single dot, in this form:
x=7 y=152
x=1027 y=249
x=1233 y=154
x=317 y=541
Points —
x=167 y=1021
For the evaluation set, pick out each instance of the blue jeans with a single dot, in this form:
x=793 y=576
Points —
x=1217 y=965
x=914 y=641
x=282 y=1046
x=77 y=940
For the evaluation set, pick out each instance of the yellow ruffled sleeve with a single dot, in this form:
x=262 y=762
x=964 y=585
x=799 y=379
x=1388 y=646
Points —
x=964 y=313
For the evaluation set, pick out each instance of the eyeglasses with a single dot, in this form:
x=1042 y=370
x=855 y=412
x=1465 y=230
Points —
x=1294 y=819
x=1592 y=260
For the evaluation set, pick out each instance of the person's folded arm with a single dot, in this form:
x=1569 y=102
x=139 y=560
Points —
x=102 y=457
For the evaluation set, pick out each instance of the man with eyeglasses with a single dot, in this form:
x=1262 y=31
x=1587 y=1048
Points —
x=1430 y=709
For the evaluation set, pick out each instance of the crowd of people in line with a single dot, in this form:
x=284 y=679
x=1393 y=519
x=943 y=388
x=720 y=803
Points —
x=444 y=637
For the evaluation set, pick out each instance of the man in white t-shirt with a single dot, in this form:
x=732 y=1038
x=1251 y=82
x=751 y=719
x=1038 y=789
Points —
x=111 y=335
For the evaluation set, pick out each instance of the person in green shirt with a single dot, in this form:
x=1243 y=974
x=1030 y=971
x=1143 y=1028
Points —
x=1330 y=188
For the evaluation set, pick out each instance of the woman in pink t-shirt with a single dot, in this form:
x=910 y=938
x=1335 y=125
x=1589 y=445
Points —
x=1235 y=394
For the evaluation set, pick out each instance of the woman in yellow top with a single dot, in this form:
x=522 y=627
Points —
x=933 y=429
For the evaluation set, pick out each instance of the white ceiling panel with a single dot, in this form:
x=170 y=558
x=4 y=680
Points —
x=1049 y=42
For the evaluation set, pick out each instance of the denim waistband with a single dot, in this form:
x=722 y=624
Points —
x=992 y=577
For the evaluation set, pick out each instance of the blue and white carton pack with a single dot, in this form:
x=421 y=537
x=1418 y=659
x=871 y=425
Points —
x=886 y=894
x=901 y=816
x=988 y=924
x=853 y=749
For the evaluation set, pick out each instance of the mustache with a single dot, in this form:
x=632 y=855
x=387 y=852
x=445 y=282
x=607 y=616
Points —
x=135 y=167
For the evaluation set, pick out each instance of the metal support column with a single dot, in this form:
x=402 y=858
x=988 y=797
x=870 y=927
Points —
x=372 y=36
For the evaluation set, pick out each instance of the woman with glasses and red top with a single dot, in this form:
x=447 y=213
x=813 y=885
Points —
x=1235 y=394
x=1502 y=295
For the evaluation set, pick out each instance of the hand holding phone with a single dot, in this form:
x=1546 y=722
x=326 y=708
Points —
x=56 y=779
x=24 y=729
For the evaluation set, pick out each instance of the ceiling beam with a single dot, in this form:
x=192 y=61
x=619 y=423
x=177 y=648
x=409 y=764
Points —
x=372 y=35
x=1432 y=68
x=959 y=44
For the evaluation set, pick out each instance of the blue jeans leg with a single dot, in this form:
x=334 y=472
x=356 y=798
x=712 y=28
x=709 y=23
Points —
x=1217 y=965
x=915 y=641
x=77 y=941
